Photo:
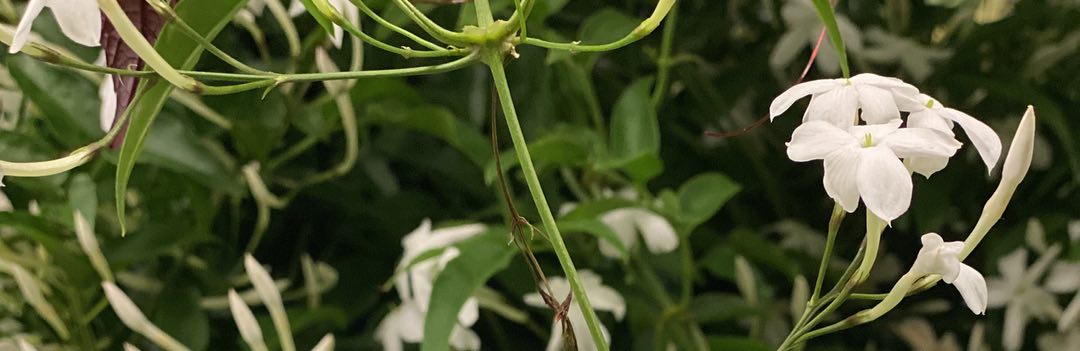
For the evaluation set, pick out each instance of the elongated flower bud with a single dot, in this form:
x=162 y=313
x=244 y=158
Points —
x=271 y=297
x=31 y=291
x=46 y=168
x=88 y=242
x=245 y=322
x=133 y=318
x=325 y=344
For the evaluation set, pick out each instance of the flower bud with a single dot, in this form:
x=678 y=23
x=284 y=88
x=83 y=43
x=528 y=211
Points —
x=245 y=322
x=271 y=297
x=89 y=244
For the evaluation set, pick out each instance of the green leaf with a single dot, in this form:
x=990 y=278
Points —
x=828 y=17
x=173 y=145
x=179 y=315
x=597 y=229
x=703 y=195
x=259 y=121
x=435 y=121
x=207 y=17
x=82 y=196
x=324 y=22
x=73 y=121
x=563 y=146
x=481 y=257
x=741 y=343
x=635 y=134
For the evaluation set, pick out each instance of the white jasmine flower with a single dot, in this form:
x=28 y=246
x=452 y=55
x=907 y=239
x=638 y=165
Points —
x=838 y=101
x=863 y=161
x=929 y=113
x=603 y=298
x=939 y=257
x=79 y=20
x=1058 y=341
x=1019 y=292
x=657 y=232
x=414 y=282
x=915 y=58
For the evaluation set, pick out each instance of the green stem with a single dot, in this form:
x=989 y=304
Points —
x=432 y=28
x=834 y=227
x=382 y=21
x=663 y=62
x=646 y=27
x=494 y=62
x=874 y=227
x=405 y=52
x=484 y=18
x=292 y=37
x=167 y=12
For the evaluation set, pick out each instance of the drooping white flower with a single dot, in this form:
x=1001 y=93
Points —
x=929 y=113
x=939 y=257
x=603 y=298
x=1019 y=292
x=864 y=161
x=79 y=20
x=414 y=282
x=838 y=101
x=627 y=222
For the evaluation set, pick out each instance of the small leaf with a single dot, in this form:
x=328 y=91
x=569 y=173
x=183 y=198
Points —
x=481 y=257
x=597 y=229
x=635 y=134
x=703 y=195
x=606 y=25
x=435 y=121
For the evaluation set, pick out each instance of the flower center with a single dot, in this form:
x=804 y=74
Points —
x=930 y=103
x=868 y=140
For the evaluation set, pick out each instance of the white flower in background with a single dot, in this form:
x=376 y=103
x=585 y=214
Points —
x=79 y=20
x=803 y=29
x=414 y=281
x=929 y=113
x=627 y=222
x=1059 y=341
x=920 y=335
x=939 y=257
x=912 y=56
x=864 y=161
x=838 y=101
x=1019 y=292
x=603 y=298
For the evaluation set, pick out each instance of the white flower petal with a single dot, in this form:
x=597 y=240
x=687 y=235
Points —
x=877 y=104
x=469 y=313
x=22 y=31
x=1071 y=314
x=884 y=183
x=784 y=101
x=1064 y=277
x=80 y=20
x=815 y=140
x=107 y=94
x=877 y=132
x=325 y=344
x=410 y=323
x=1012 y=266
x=621 y=221
x=926 y=165
x=839 y=106
x=464 y=339
x=972 y=287
x=658 y=233
x=909 y=142
x=885 y=82
x=929 y=119
x=986 y=141
x=841 y=171
x=1012 y=333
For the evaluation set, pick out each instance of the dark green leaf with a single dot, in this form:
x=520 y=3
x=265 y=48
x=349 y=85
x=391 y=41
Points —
x=635 y=133
x=703 y=195
x=207 y=17
x=82 y=196
x=828 y=17
x=481 y=257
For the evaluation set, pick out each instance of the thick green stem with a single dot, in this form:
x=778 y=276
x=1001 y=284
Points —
x=494 y=62
x=166 y=11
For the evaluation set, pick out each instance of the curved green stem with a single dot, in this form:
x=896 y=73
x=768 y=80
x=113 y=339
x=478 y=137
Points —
x=646 y=27
x=292 y=37
x=494 y=62
x=405 y=52
x=138 y=43
x=432 y=28
x=393 y=27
